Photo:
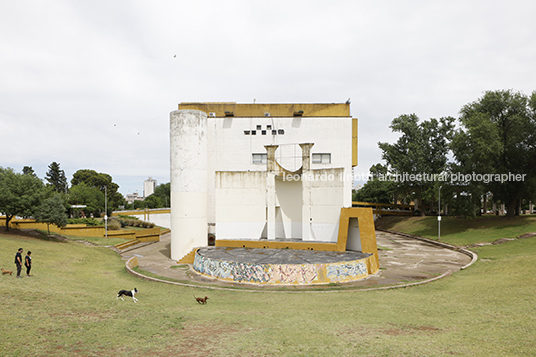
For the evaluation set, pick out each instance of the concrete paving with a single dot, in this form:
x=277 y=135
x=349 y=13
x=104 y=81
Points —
x=402 y=260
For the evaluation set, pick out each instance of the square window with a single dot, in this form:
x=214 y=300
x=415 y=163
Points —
x=263 y=132
x=246 y=132
x=259 y=127
x=259 y=158
x=321 y=158
x=268 y=127
x=253 y=132
x=281 y=131
x=274 y=132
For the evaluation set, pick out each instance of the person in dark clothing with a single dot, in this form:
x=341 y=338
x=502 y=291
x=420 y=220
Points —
x=18 y=261
x=28 y=263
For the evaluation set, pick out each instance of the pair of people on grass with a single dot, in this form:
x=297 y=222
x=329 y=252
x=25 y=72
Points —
x=27 y=262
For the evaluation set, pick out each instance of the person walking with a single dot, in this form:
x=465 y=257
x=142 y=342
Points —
x=18 y=261
x=28 y=263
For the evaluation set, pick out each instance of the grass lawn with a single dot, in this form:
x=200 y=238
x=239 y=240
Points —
x=68 y=307
x=462 y=231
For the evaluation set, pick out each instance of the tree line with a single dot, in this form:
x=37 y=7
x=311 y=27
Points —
x=487 y=155
x=52 y=200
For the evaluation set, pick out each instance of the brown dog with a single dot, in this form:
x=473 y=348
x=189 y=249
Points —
x=6 y=272
x=201 y=300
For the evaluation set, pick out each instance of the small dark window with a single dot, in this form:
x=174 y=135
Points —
x=246 y=132
x=274 y=132
x=281 y=131
x=253 y=132
x=264 y=132
x=259 y=127
x=268 y=127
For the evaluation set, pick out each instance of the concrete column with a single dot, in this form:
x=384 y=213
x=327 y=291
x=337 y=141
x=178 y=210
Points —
x=189 y=186
x=306 y=191
x=270 y=190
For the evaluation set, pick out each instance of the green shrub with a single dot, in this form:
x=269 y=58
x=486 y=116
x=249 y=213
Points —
x=134 y=222
x=87 y=221
x=114 y=224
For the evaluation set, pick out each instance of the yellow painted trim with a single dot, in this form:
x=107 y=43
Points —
x=188 y=258
x=231 y=243
x=140 y=212
x=127 y=244
x=354 y=141
x=275 y=110
x=367 y=232
x=388 y=209
x=133 y=262
x=81 y=230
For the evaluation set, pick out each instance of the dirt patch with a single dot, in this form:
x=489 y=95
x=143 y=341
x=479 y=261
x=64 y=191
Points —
x=396 y=330
x=527 y=235
x=503 y=240
x=203 y=339
x=31 y=233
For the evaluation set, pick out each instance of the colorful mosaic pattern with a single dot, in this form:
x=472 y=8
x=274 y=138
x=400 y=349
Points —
x=281 y=273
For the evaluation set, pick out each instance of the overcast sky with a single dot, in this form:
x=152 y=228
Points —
x=90 y=84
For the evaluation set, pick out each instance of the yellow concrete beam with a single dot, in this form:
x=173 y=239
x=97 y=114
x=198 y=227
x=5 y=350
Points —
x=354 y=141
x=330 y=247
x=275 y=110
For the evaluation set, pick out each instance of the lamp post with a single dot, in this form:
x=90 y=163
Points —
x=439 y=216
x=106 y=211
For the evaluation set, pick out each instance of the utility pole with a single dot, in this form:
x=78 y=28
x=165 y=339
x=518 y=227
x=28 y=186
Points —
x=439 y=216
x=106 y=210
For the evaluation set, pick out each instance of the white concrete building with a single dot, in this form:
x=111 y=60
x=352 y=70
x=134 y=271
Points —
x=260 y=171
x=148 y=187
x=131 y=197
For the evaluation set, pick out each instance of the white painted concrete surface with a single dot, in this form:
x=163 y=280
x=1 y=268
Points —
x=189 y=186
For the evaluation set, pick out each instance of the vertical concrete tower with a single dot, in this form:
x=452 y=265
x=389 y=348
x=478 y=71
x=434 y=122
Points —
x=189 y=198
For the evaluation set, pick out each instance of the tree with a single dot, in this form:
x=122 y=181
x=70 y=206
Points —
x=378 y=170
x=377 y=190
x=497 y=139
x=162 y=191
x=20 y=194
x=421 y=150
x=153 y=202
x=92 y=197
x=28 y=170
x=52 y=211
x=56 y=178
x=101 y=181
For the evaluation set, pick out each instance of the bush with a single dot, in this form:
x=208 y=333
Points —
x=114 y=224
x=134 y=222
x=87 y=221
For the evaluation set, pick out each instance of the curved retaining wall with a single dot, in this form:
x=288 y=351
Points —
x=286 y=274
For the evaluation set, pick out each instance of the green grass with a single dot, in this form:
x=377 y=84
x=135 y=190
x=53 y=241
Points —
x=69 y=308
x=463 y=231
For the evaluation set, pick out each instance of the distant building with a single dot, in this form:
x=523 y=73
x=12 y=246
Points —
x=148 y=187
x=131 y=197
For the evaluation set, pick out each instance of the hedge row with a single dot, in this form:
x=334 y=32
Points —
x=134 y=222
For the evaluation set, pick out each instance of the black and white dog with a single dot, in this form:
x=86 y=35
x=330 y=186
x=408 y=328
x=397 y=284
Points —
x=131 y=293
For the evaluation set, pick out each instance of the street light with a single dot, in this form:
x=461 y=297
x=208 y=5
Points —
x=439 y=216
x=106 y=211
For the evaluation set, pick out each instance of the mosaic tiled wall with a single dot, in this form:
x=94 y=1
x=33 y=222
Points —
x=282 y=273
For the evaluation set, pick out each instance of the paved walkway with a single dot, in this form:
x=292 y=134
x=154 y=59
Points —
x=402 y=260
